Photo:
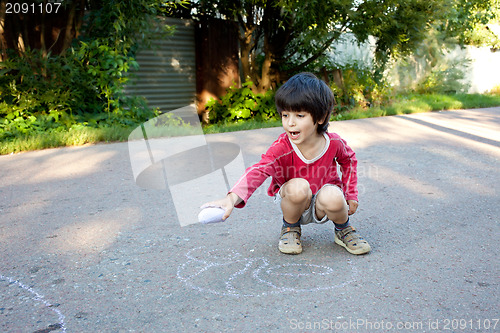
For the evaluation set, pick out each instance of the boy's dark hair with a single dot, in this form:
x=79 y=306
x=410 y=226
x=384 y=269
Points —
x=305 y=92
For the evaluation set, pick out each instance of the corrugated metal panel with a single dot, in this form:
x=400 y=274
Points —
x=167 y=73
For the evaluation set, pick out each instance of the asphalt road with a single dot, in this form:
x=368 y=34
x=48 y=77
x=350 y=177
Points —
x=84 y=249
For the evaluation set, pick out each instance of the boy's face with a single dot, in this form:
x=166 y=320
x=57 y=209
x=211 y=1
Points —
x=299 y=126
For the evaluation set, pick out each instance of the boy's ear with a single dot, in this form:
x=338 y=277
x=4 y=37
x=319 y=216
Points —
x=327 y=118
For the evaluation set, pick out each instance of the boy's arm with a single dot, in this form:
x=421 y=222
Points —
x=238 y=195
x=253 y=177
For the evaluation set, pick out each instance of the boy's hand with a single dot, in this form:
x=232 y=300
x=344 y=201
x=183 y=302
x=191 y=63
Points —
x=353 y=206
x=227 y=203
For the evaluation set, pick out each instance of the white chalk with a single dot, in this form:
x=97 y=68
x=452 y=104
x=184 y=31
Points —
x=211 y=215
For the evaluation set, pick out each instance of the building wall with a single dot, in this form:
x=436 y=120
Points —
x=485 y=69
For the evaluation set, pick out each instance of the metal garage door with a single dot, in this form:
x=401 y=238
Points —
x=167 y=73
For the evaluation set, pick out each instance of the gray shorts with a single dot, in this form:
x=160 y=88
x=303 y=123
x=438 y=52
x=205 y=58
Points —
x=309 y=215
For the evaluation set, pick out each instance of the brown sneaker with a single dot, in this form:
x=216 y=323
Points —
x=290 y=240
x=351 y=241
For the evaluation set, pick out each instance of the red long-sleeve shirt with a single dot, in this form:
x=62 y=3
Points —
x=284 y=161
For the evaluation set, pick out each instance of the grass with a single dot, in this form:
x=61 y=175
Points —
x=403 y=104
x=75 y=137
x=240 y=126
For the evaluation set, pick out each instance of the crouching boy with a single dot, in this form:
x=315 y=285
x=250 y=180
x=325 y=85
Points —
x=303 y=165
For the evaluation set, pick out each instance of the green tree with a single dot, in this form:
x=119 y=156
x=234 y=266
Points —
x=113 y=31
x=125 y=24
x=280 y=37
x=83 y=79
x=120 y=22
x=468 y=22
x=431 y=67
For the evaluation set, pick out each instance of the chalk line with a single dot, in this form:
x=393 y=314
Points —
x=37 y=297
x=263 y=268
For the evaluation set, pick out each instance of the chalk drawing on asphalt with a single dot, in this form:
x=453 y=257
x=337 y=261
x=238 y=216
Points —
x=37 y=299
x=228 y=273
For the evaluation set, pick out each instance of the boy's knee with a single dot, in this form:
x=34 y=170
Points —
x=297 y=190
x=331 y=198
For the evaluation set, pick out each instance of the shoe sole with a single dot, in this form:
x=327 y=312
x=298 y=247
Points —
x=357 y=252
x=290 y=251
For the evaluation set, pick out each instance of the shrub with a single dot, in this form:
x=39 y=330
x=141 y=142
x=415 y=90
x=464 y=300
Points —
x=495 y=90
x=361 y=88
x=86 y=86
x=242 y=103
x=445 y=78
x=437 y=66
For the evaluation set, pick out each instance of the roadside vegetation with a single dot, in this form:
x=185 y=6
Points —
x=402 y=104
x=71 y=89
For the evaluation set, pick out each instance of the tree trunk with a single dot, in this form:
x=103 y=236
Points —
x=79 y=20
x=50 y=33
x=277 y=33
x=68 y=31
x=265 y=82
x=338 y=78
x=3 y=54
x=17 y=35
x=43 y=45
x=245 y=49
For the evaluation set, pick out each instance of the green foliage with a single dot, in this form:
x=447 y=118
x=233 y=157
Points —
x=467 y=20
x=284 y=36
x=76 y=135
x=400 y=27
x=34 y=93
x=483 y=36
x=449 y=78
x=402 y=104
x=416 y=103
x=242 y=103
x=85 y=85
x=39 y=93
x=105 y=67
x=123 y=25
x=438 y=65
x=360 y=88
x=495 y=90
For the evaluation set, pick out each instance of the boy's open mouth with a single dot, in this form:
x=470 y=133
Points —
x=294 y=135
